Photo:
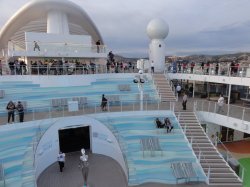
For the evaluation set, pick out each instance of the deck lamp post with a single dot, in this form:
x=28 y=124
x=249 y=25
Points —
x=139 y=80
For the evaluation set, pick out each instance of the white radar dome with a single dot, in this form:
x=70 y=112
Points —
x=157 y=29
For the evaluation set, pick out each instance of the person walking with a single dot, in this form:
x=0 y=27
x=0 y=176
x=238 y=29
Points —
x=20 y=111
x=220 y=104
x=178 y=89
x=152 y=67
x=11 y=111
x=98 y=43
x=104 y=103
x=61 y=160
x=84 y=166
x=36 y=46
x=184 y=101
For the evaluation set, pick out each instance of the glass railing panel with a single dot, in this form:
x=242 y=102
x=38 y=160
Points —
x=246 y=114
x=211 y=106
x=57 y=111
x=235 y=111
x=60 y=48
x=199 y=105
x=38 y=114
x=3 y=118
x=153 y=105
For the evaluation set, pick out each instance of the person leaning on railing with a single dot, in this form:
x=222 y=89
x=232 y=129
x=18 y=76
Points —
x=20 y=110
x=11 y=111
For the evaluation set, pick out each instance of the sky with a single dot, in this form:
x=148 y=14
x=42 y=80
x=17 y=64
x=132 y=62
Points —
x=195 y=26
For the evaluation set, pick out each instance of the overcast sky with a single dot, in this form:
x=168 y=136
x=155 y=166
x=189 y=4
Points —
x=196 y=26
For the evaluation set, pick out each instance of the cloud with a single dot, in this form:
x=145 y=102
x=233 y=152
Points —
x=195 y=26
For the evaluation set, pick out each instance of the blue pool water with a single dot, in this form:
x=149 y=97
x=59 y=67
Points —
x=154 y=167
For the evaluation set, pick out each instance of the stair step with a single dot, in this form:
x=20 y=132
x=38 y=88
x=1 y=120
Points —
x=212 y=166
x=225 y=184
x=217 y=170
x=223 y=175
x=214 y=161
x=224 y=180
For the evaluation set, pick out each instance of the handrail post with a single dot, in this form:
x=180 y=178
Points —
x=216 y=141
x=242 y=173
x=199 y=156
x=215 y=107
x=227 y=156
x=208 y=175
x=33 y=114
x=243 y=115
x=50 y=113
x=108 y=107
x=121 y=106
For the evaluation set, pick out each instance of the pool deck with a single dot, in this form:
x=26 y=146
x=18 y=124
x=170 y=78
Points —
x=104 y=171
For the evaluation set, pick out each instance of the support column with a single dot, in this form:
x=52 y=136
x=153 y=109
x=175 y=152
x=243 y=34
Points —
x=229 y=94
x=193 y=88
x=228 y=100
x=57 y=22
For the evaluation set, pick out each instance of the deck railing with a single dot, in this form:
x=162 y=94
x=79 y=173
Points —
x=221 y=70
x=65 y=69
x=39 y=113
x=194 y=143
x=234 y=111
x=59 y=48
x=228 y=156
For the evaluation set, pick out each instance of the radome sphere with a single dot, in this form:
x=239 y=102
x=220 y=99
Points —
x=157 y=29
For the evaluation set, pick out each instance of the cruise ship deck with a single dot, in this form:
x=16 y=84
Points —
x=156 y=122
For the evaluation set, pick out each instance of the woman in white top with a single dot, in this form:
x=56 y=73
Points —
x=184 y=101
x=61 y=160
x=220 y=104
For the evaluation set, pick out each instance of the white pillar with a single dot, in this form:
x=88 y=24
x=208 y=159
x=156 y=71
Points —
x=229 y=94
x=158 y=48
x=157 y=31
x=193 y=88
x=57 y=22
x=141 y=97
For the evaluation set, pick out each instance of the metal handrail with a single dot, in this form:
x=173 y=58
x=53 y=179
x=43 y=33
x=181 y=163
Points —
x=221 y=70
x=200 y=152
x=61 y=111
x=65 y=69
x=229 y=155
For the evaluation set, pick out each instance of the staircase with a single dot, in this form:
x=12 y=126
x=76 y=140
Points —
x=220 y=172
x=163 y=87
